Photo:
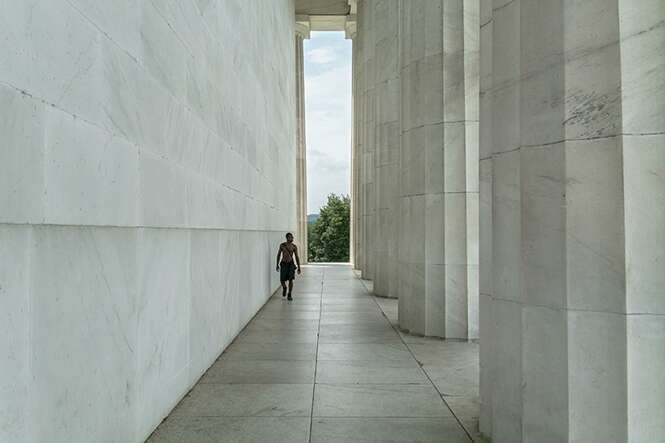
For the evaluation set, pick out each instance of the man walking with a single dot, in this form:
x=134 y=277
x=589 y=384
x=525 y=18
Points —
x=286 y=267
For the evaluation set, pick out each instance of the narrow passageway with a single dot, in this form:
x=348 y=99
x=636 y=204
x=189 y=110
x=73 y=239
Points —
x=331 y=367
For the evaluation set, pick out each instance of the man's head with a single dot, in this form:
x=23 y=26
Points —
x=289 y=237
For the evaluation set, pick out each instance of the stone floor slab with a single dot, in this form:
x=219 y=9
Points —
x=365 y=400
x=289 y=314
x=290 y=306
x=359 y=328
x=419 y=339
x=354 y=335
x=247 y=400
x=332 y=308
x=445 y=353
x=270 y=351
x=299 y=295
x=253 y=335
x=260 y=371
x=274 y=324
x=352 y=318
x=370 y=372
x=348 y=302
x=302 y=299
x=344 y=293
x=232 y=429
x=364 y=351
x=387 y=430
x=461 y=381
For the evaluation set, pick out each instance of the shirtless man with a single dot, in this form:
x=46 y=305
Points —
x=286 y=267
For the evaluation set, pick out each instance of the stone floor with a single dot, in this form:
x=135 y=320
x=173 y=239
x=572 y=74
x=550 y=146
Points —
x=331 y=366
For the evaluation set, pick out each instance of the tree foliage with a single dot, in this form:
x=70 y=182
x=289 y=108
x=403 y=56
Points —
x=328 y=237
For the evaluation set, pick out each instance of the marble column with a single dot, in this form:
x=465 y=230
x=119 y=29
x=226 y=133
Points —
x=301 y=148
x=485 y=217
x=366 y=135
x=354 y=162
x=573 y=171
x=386 y=158
x=357 y=149
x=438 y=234
x=356 y=145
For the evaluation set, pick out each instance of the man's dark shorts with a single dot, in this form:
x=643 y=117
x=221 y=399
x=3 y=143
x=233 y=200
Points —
x=287 y=271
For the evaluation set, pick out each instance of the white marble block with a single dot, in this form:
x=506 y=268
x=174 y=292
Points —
x=140 y=145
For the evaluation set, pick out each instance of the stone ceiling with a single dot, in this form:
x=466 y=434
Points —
x=322 y=7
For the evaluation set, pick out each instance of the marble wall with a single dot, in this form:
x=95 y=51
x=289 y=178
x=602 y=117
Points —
x=572 y=215
x=142 y=195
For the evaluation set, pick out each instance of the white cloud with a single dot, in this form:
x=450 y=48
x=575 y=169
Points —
x=321 y=56
x=328 y=120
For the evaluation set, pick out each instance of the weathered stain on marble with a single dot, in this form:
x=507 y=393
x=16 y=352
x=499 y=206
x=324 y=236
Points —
x=593 y=114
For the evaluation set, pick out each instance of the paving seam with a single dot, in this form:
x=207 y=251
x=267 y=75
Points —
x=316 y=355
x=363 y=417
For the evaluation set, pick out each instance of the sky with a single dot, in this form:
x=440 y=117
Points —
x=327 y=116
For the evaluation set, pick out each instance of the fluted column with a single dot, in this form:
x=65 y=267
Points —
x=438 y=241
x=366 y=139
x=573 y=313
x=386 y=158
x=357 y=253
x=485 y=218
x=301 y=148
x=471 y=54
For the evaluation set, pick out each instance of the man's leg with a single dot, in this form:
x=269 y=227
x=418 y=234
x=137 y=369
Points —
x=290 y=289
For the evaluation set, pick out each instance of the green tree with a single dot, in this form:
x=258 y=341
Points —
x=328 y=237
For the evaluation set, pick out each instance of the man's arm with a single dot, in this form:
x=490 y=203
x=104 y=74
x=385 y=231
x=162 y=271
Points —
x=279 y=252
x=295 y=251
